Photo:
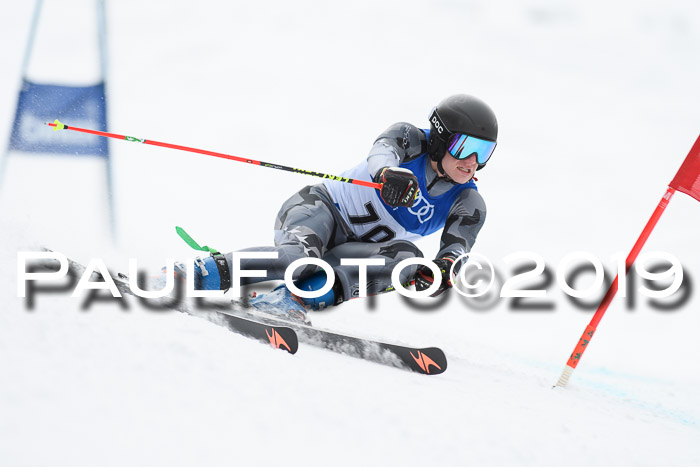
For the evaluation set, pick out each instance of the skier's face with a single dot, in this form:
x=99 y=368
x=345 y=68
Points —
x=459 y=170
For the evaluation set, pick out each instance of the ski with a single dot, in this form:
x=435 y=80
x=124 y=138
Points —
x=427 y=360
x=286 y=335
x=278 y=335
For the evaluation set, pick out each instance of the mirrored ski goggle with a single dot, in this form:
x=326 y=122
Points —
x=462 y=146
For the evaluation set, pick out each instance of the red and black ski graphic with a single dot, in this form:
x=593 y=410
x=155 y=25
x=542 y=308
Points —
x=280 y=337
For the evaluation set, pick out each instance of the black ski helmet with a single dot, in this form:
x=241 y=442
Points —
x=463 y=114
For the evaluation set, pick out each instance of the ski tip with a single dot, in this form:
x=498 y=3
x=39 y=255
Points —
x=428 y=361
x=282 y=338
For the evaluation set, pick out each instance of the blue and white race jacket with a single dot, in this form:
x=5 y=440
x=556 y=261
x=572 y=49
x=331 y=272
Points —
x=458 y=210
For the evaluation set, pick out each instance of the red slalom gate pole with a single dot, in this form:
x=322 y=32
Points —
x=60 y=126
x=591 y=328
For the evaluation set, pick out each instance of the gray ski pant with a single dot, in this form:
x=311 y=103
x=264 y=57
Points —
x=309 y=225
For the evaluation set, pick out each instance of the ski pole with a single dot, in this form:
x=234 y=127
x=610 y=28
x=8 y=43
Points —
x=60 y=126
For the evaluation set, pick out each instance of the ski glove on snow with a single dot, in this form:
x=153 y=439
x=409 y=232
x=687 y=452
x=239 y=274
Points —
x=424 y=276
x=399 y=186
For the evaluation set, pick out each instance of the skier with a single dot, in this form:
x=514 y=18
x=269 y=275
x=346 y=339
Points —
x=428 y=185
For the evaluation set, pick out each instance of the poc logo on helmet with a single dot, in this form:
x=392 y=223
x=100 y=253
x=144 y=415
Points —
x=437 y=123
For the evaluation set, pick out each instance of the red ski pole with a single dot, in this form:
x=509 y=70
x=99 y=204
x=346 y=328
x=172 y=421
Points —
x=60 y=126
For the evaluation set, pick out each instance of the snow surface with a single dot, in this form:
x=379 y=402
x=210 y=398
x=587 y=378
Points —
x=597 y=106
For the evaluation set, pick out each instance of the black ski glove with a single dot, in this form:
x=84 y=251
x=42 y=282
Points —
x=424 y=276
x=399 y=186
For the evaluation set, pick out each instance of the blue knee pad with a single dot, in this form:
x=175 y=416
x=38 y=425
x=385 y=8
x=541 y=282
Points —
x=315 y=282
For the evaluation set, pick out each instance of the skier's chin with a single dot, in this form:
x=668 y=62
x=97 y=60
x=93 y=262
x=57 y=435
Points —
x=462 y=177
